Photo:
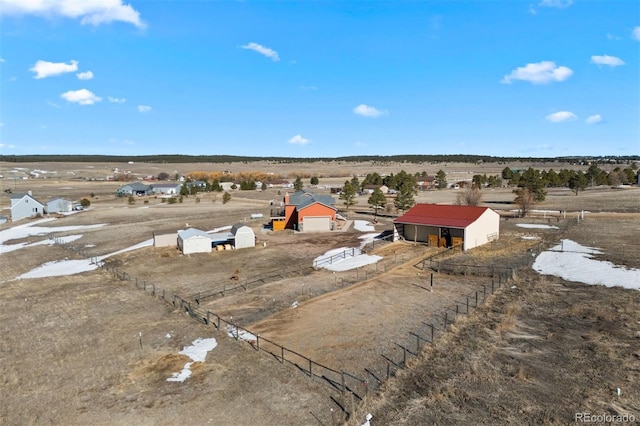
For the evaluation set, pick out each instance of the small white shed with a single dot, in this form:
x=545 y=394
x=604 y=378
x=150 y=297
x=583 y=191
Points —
x=243 y=235
x=194 y=241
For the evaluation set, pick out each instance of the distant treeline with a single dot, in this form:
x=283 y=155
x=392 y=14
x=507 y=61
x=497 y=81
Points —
x=416 y=159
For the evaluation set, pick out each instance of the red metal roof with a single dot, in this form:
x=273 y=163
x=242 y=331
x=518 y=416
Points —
x=441 y=215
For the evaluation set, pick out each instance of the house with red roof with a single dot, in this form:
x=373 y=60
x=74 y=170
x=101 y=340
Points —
x=448 y=226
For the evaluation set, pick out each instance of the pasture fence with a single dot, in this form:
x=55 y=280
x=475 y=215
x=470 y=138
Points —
x=350 y=386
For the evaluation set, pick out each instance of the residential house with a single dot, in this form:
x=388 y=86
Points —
x=134 y=188
x=308 y=212
x=24 y=206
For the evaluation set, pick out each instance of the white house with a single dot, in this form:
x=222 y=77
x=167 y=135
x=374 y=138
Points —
x=59 y=205
x=226 y=186
x=24 y=205
x=446 y=225
x=243 y=235
x=194 y=241
x=166 y=188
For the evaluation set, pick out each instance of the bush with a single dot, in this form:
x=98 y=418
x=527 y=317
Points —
x=172 y=200
x=226 y=198
x=85 y=202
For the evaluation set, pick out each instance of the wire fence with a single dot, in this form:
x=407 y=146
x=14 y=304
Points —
x=350 y=387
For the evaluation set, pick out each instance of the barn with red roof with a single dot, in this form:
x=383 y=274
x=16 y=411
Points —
x=448 y=226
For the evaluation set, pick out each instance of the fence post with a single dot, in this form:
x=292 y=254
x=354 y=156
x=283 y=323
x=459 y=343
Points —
x=476 y=300
x=445 y=320
x=467 y=305
x=343 y=384
x=282 y=354
x=237 y=333
x=431 y=282
x=431 y=332
x=484 y=292
x=310 y=373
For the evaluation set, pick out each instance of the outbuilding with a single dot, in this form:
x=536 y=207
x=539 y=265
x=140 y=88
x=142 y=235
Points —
x=243 y=236
x=448 y=226
x=59 y=205
x=194 y=241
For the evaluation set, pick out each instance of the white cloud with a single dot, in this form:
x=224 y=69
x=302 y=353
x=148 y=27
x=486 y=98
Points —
x=116 y=100
x=532 y=10
x=4 y=145
x=560 y=116
x=593 y=119
x=539 y=73
x=93 y=12
x=144 y=108
x=613 y=37
x=635 y=33
x=45 y=69
x=299 y=140
x=560 y=4
x=85 y=75
x=269 y=53
x=2 y=60
x=82 y=97
x=368 y=111
x=612 y=61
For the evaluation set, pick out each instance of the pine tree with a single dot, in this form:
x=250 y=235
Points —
x=377 y=200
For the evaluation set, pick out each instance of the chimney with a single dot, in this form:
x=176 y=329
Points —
x=286 y=198
x=29 y=193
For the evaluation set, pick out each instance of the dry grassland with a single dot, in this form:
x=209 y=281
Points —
x=533 y=354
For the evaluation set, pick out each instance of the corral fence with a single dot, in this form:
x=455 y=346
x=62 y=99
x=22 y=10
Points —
x=347 y=384
x=410 y=345
x=350 y=386
x=279 y=274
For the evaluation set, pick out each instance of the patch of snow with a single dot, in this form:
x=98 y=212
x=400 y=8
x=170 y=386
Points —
x=536 y=226
x=59 y=268
x=47 y=242
x=31 y=229
x=294 y=304
x=222 y=228
x=573 y=262
x=197 y=352
x=144 y=207
x=530 y=237
x=240 y=334
x=363 y=226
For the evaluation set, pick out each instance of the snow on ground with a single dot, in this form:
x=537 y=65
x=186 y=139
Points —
x=353 y=256
x=31 y=229
x=47 y=242
x=363 y=225
x=146 y=243
x=222 y=228
x=240 y=334
x=198 y=353
x=573 y=262
x=536 y=226
x=60 y=267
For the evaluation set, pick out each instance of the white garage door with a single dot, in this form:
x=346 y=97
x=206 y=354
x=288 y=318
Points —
x=315 y=224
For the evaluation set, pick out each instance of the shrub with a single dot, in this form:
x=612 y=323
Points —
x=85 y=202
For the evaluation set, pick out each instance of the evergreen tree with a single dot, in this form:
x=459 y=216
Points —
x=297 y=185
x=314 y=180
x=507 y=173
x=441 y=177
x=348 y=194
x=578 y=181
x=226 y=197
x=404 y=200
x=377 y=200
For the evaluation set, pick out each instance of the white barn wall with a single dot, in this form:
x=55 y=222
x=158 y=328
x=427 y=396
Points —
x=478 y=232
x=195 y=244
x=165 y=240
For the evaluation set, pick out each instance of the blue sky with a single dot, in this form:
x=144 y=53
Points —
x=320 y=78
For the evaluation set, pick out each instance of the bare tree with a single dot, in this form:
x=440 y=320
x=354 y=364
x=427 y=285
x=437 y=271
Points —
x=525 y=200
x=470 y=197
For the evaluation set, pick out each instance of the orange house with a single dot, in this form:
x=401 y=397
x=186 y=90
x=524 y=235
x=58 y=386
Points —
x=308 y=212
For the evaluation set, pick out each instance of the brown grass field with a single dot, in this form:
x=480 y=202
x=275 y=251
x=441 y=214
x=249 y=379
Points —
x=91 y=349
